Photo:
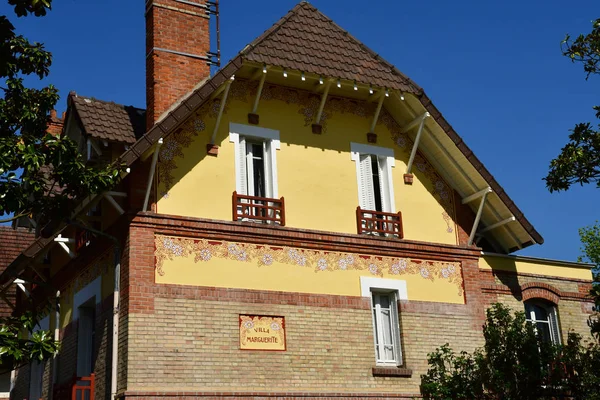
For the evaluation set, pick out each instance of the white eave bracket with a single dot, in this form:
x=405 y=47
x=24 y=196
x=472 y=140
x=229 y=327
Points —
x=151 y=173
x=253 y=116
x=371 y=136
x=62 y=241
x=316 y=127
x=110 y=197
x=212 y=149
x=483 y=195
x=497 y=225
x=420 y=121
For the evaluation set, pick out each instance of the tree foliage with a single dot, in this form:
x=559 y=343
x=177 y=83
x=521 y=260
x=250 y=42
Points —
x=21 y=342
x=514 y=364
x=590 y=239
x=41 y=175
x=579 y=160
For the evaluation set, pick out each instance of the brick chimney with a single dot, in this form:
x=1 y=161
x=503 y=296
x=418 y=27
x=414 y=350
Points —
x=177 y=43
x=55 y=126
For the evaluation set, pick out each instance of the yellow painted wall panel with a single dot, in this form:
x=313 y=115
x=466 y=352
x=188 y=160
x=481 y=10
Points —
x=316 y=174
x=534 y=267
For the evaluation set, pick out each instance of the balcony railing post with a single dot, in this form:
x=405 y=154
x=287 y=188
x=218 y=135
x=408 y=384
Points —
x=234 y=202
x=258 y=209
x=379 y=223
x=282 y=212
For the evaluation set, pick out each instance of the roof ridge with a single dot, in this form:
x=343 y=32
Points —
x=274 y=28
x=78 y=96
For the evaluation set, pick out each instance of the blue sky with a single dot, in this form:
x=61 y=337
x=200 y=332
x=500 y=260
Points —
x=494 y=69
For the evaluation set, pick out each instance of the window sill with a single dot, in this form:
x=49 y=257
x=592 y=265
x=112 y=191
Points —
x=399 y=372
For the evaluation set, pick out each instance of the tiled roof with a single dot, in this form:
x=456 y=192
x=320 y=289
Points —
x=12 y=242
x=308 y=41
x=109 y=121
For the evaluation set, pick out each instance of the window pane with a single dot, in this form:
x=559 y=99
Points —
x=376 y=183
x=376 y=333
x=258 y=170
x=543 y=329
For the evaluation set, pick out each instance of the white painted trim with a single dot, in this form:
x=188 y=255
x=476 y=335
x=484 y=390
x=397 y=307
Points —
x=253 y=131
x=235 y=130
x=356 y=149
x=367 y=283
x=93 y=289
x=359 y=148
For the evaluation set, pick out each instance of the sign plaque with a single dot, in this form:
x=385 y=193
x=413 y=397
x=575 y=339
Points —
x=260 y=332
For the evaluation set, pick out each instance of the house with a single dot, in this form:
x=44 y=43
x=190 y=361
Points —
x=302 y=224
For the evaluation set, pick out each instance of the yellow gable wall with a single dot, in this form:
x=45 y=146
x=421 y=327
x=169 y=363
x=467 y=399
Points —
x=245 y=266
x=316 y=174
x=537 y=267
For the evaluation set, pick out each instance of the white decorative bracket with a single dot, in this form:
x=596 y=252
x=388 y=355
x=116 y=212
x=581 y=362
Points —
x=63 y=243
x=497 y=224
x=21 y=284
x=417 y=121
x=259 y=91
x=221 y=109
x=323 y=100
x=376 y=116
x=483 y=194
x=477 y=195
x=109 y=196
x=151 y=173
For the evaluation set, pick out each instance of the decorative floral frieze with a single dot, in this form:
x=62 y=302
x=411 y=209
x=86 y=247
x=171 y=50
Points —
x=168 y=248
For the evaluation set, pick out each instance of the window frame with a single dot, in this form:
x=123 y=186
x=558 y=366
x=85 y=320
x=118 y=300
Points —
x=89 y=296
x=240 y=135
x=396 y=290
x=386 y=161
x=551 y=312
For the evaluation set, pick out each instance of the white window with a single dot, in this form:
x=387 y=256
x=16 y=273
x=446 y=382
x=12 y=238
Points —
x=255 y=159
x=384 y=294
x=37 y=367
x=84 y=311
x=374 y=177
x=386 y=328
x=544 y=316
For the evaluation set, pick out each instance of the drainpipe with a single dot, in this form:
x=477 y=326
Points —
x=56 y=339
x=115 y=335
x=116 y=297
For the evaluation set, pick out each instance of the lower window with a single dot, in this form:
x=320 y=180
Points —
x=386 y=328
x=545 y=319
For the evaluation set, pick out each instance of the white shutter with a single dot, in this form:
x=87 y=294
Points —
x=268 y=169
x=383 y=184
x=242 y=182
x=249 y=170
x=367 y=197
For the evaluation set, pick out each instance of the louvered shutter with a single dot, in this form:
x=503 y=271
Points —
x=367 y=198
x=241 y=173
x=267 y=168
x=384 y=184
x=554 y=330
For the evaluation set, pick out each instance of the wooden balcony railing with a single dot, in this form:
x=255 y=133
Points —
x=258 y=209
x=379 y=223
x=78 y=388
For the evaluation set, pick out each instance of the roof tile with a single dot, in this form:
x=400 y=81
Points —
x=109 y=121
